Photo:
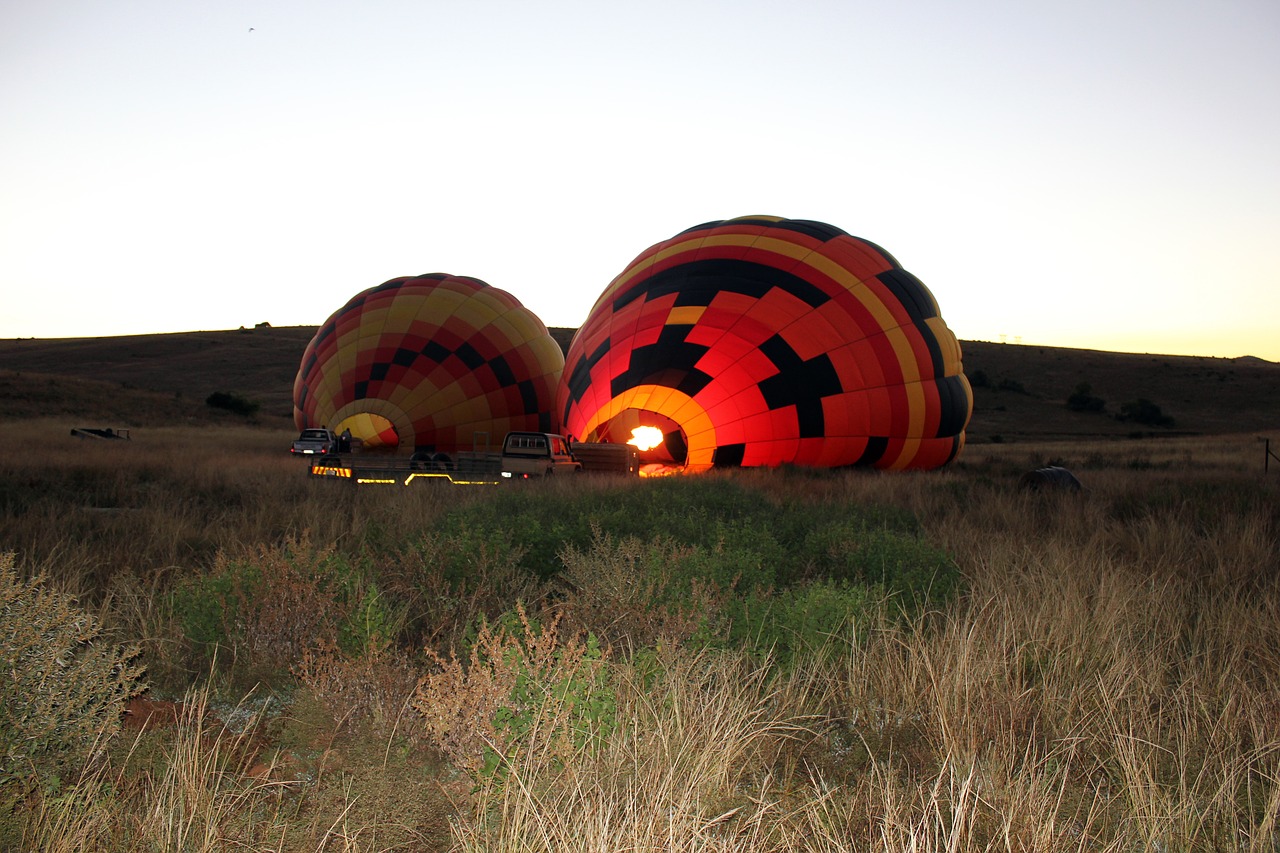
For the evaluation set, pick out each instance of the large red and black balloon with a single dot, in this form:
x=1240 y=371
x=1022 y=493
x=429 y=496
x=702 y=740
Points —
x=768 y=341
x=432 y=362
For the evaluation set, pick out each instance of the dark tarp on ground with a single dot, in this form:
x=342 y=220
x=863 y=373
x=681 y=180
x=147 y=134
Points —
x=1053 y=477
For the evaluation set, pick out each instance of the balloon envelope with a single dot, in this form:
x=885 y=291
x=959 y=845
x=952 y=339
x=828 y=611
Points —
x=432 y=362
x=768 y=341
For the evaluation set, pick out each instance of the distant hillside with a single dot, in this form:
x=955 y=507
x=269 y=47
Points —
x=258 y=364
x=1020 y=391
x=1026 y=389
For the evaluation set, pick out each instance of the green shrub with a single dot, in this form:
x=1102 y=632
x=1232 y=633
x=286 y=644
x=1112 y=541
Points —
x=743 y=557
x=1082 y=400
x=233 y=403
x=526 y=691
x=813 y=620
x=690 y=510
x=904 y=566
x=440 y=583
x=855 y=569
x=265 y=609
x=639 y=593
x=1012 y=385
x=206 y=607
x=705 y=537
x=566 y=694
x=1143 y=411
x=373 y=624
x=64 y=693
x=464 y=549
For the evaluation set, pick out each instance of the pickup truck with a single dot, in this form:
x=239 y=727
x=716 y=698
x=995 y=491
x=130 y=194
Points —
x=315 y=442
x=537 y=454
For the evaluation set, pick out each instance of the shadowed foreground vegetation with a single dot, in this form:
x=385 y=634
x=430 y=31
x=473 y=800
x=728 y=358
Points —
x=750 y=660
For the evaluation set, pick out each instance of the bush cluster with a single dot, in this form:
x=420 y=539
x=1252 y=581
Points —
x=63 y=695
x=233 y=403
x=736 y=534
x=494 y=632
x=269 y=606
x=1083 y=400
x=710 y=560
x=521 y=679
x=705 y=561
x=1143 y=411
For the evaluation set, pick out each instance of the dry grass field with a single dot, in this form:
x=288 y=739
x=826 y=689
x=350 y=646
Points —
x=211 y=651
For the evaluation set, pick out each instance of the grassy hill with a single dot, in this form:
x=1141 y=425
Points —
x=1026 y=389
x=1020 y=391
x=152 y=380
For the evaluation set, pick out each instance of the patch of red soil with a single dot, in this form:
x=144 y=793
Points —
x=142 y=714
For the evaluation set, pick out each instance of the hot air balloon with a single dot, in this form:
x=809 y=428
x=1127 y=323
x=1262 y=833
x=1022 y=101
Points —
x=429 y=363
x=763 y=341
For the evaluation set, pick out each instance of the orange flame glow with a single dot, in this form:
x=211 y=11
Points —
x=645 y=437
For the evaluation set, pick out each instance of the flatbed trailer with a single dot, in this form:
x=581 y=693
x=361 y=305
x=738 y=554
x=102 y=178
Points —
x=477 y=467
x=462 y=469
x=105 y=432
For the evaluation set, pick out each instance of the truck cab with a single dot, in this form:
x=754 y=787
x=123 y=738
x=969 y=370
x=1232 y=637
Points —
x=537 y=454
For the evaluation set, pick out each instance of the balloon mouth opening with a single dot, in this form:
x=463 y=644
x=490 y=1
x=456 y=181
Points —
x=660 y=442
x=370 y=431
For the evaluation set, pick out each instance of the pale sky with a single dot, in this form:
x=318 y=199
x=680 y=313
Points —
x=1100 y=174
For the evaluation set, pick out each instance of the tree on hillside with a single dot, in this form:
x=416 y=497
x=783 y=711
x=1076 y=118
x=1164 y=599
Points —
x=1143 y=411
x=1082 y=400
x=233 y=403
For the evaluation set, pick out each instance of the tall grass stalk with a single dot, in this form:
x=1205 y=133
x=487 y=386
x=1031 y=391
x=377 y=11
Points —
x=201 y=801
x=677 y=775
x=204 y=799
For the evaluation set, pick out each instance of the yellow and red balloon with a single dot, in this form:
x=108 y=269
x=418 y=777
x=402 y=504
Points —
x=768 y=341
x=432 y=362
